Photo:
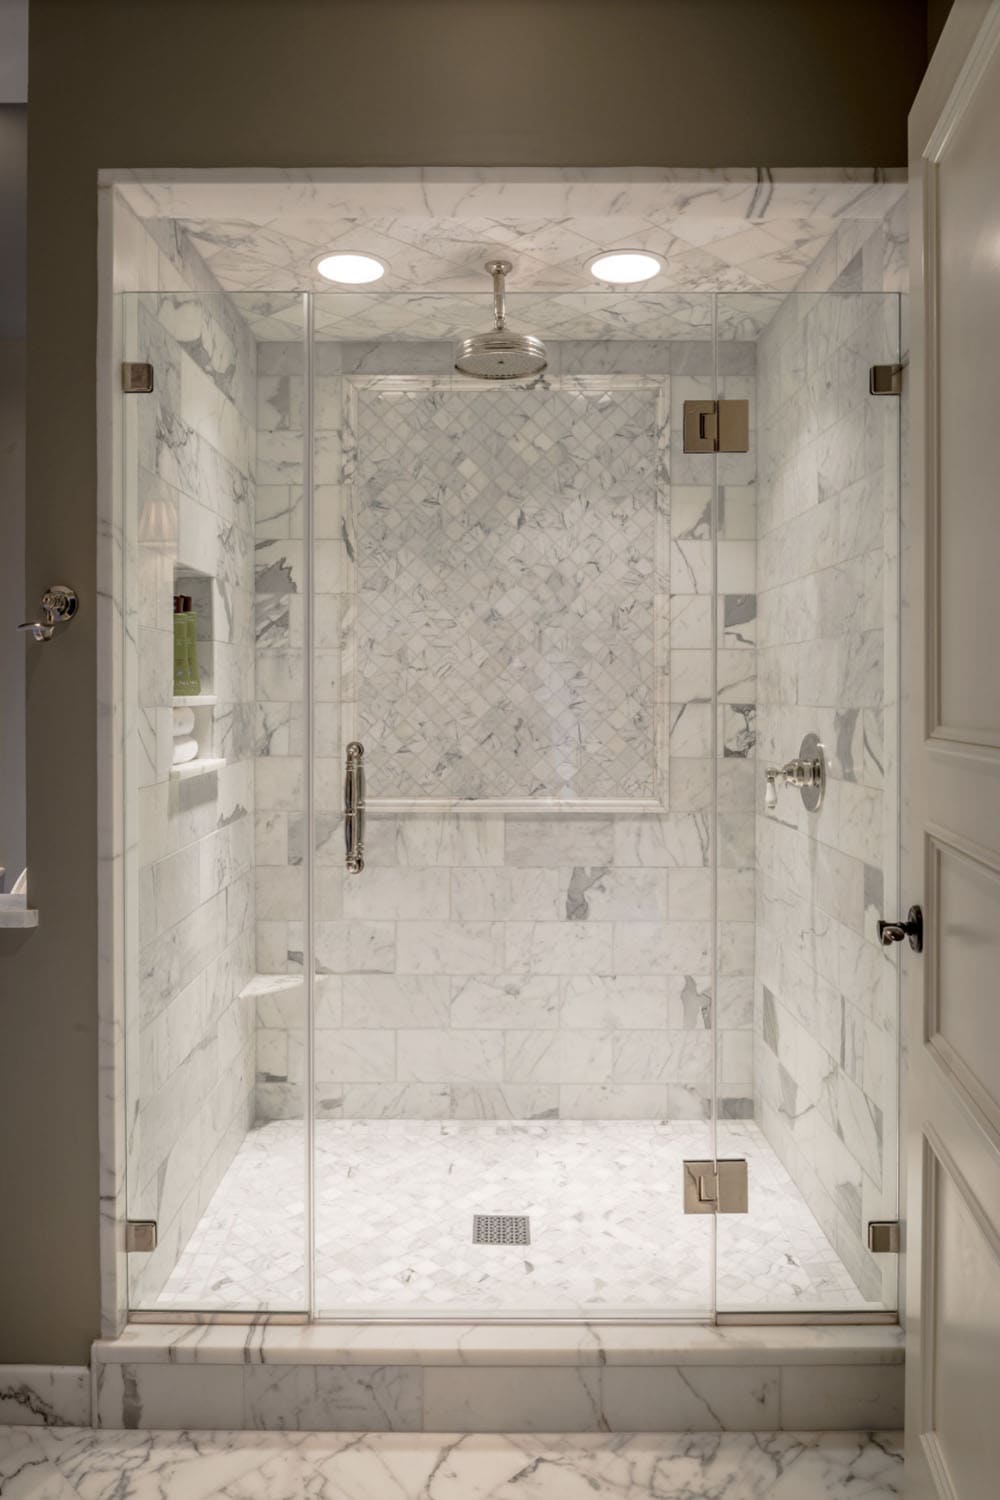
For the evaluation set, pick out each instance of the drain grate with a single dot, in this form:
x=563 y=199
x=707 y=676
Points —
x=501 y=1229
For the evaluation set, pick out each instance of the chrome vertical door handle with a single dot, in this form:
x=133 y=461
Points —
x=354 y=808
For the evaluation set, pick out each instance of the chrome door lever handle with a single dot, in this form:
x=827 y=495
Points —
x=354 y=808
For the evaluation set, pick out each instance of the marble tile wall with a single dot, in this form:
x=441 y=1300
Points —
x=504 y=962
x=825 y=1004
x=528 y=1398
x=190 y=452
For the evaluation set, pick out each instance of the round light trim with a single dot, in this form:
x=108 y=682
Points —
x=623 y=267
x=350 y=268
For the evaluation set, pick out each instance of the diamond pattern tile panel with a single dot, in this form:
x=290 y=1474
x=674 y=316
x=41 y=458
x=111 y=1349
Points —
x=505 y=576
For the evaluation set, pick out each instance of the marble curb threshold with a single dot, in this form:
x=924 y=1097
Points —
x=499 y=1378
x=577 y=1344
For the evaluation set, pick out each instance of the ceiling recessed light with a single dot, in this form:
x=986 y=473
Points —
x=350 y=269
x=620 y=267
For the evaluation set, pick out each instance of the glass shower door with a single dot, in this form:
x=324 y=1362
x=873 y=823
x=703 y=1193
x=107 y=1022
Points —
x=807 y=672
x=514 y=1047
x=214 y=803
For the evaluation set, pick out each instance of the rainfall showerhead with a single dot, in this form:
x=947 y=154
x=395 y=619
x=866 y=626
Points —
x=500 y=354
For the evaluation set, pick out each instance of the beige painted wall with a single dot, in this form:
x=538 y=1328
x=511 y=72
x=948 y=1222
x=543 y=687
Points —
x=176 y=83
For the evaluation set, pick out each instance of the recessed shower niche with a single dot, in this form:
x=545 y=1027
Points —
x=582 y=951
x=194 y=676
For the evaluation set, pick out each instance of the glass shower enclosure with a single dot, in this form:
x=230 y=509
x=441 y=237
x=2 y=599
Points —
x=489 y=1071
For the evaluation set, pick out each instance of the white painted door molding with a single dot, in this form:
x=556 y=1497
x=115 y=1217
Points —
x=950 y=723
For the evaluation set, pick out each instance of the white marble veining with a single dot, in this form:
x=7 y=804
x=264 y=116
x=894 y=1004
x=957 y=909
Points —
x=395 y=1201
x=596 y=315
x=764 y=1465
x=44 y=1396
x=738 y=230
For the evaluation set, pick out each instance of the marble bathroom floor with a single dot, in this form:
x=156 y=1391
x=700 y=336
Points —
x=65 y=1463
x=396 y=1198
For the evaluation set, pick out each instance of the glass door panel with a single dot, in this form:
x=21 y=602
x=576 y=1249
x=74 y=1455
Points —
x=215 y=812
x=514 y=1052
x=807 y=624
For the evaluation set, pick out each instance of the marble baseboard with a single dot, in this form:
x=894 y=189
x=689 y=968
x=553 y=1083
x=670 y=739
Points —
x=44 y=1396
x=528 y=1379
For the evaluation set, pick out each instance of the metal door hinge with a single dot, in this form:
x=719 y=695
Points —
x=885 y=380
x=883 y=1236
x=140 y=1234
x=716 y=426
x=137 y=379
x=715 y=1187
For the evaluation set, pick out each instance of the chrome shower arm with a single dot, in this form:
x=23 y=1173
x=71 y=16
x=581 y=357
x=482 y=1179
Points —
x=499 y=269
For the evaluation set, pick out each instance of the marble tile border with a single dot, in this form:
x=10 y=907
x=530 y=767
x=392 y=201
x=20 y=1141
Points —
x=483 y=1378
x=44 y=1396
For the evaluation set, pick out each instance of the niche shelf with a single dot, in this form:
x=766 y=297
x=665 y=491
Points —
x=200 y=767
x=195 y=700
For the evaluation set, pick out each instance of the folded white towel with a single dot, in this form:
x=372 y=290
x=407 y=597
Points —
x=185 y=750
x=183 y=721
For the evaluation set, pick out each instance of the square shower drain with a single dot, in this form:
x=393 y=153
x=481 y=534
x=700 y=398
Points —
x=501 y=1229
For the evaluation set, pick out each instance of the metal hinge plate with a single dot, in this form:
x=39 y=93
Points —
x=716 y=426
x=140 y=1234
x=883 y=1236
x=137 y=379
x=716 y=1187
x=885 y=380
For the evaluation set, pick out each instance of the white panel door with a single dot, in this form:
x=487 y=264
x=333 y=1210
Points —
x=951 y=771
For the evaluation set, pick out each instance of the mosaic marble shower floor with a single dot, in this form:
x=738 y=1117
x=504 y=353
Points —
x=395 y=1201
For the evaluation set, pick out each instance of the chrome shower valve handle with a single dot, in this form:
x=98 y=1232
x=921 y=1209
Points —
x=807 y=772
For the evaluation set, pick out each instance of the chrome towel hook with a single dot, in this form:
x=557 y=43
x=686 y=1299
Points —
x=59 y=605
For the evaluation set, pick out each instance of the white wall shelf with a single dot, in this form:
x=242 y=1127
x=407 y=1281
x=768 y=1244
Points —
x=194 y=700
x=15 y=912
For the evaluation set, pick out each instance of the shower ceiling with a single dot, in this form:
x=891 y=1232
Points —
x=566 y=315
x=740 y=230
